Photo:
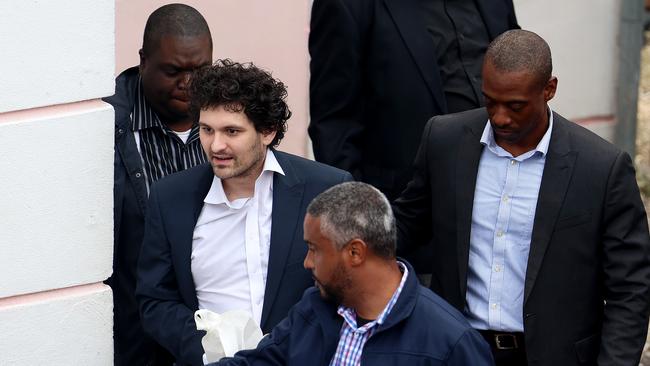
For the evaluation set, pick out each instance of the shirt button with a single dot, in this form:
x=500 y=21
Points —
x=494 y=306
x=499 y=233
x=505 y=198
x=497 y=268
x=513 y=162
x=138 y=175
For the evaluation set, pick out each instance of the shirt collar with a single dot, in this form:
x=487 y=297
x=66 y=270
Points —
x=487 y=138
x=216 y=194
x=349 y=315
x=271 y=163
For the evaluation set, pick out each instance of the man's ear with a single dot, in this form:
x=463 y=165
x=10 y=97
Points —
x=357 y=251
x=550 y=88
x=267 y=137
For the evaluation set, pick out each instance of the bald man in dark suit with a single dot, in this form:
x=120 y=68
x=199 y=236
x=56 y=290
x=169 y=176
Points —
x=537 y=227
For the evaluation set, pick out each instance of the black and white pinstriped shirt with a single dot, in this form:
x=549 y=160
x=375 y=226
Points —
x=162 y=151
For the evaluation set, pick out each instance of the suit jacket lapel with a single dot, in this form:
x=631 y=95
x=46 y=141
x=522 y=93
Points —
x=288 y=192
x=125 y=144
x=180 y=236
x=420 y=46
x=555 y=181
x=469 y=155
x=126 y=147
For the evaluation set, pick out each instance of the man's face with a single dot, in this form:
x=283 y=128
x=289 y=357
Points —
x=516 y=105
x=165 y=73
x=231 y=143
x=325 y=262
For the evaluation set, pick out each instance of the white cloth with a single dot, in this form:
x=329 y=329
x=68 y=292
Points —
x=230 y=246
x=226 y=333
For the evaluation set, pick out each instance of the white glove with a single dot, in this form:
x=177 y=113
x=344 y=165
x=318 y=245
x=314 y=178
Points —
x=227 y=333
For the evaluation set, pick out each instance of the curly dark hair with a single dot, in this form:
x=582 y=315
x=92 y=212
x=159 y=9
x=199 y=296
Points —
x=242 y=87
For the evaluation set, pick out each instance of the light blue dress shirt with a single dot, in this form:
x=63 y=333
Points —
x=505 y=199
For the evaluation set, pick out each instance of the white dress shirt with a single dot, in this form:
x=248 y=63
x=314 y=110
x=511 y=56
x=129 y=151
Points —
x=505 y=201
x=230 y=246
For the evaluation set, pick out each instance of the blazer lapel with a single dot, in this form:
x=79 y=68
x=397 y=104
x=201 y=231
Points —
x=126 y=147
x=288 y=192
x=421 y=47
x=180 y=236
x=469 y=155
x=555 y=181
x=124 y=140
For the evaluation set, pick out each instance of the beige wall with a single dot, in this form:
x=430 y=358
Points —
x=272 y=34
x=582 y=35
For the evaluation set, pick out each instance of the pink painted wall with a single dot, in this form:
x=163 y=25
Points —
x=272 y=34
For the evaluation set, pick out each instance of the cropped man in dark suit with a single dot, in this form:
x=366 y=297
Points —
x=537 y=226
x=227 y=235
x=381 y=68
x=155 y=135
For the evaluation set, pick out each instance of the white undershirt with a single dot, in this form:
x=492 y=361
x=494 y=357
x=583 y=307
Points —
x=230 y=246
x=183 y=135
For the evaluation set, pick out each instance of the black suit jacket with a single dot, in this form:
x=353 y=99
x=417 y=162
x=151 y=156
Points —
x=587 y=283
x=165 y=290
x=375 y=82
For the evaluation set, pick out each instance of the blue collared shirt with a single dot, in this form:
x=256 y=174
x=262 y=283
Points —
x=505 y=200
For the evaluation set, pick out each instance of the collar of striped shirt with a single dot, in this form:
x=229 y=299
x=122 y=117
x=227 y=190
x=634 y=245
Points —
x=353 y=338
x=162 y=151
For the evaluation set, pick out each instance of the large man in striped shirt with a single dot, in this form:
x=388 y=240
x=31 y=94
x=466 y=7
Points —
x=367 y=307
x=155 y=135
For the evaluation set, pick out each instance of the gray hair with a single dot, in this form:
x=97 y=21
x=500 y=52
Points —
x=521 y=50
x=356 y=210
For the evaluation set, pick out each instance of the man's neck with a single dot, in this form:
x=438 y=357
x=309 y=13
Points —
x=180 y=125
x=370 y=300
x=242 y=186
x=239 y=187
x=531 y=141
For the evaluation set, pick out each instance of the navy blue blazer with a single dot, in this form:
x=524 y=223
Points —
x=165 y=290
x=421 y=329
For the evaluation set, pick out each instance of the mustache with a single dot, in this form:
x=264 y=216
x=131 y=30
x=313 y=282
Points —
x=221 y=154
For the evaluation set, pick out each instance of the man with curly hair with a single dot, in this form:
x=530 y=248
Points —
x=227 y=235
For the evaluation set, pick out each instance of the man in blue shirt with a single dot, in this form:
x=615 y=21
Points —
x=367 y=307
x=537 y=226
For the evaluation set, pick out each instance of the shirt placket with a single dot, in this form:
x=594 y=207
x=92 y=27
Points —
x=253 y=257
x=355 y=337
x=500 y=245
